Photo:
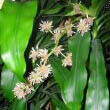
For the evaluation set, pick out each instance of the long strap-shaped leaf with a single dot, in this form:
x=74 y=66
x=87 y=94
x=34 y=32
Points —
x=97 y=95
x=96 y=7
x=59 y=104
x=16 y=22
x=73 y=82
x=8 y=82
x=74 y=87
x=61 y=73
x=19 y=105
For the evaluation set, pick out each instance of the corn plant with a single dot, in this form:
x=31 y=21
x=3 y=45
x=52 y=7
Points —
x=66 y=68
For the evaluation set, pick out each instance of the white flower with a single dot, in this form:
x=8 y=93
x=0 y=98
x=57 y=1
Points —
x=22 y=89
x=44 y=70
x=19 y=90
x=68 y=27
x=43 y=53
x=46 y=26
x=57 y=34
x=34 y=54
x=58 y=50
x=83 y=26
x=68 y=60
x=35 y=78
x=1 y=3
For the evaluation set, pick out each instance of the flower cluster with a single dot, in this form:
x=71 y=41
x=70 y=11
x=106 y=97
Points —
x=57 y=35
x=46 y=26
x=58 y=50
x=39 y=74
x=58 y=32
x=41 y=53
x=41 y=56
x=85 y=24
x=22 y=89
x=34 y=78
x=34 y=54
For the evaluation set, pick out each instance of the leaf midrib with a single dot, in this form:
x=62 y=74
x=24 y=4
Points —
x=97 y=79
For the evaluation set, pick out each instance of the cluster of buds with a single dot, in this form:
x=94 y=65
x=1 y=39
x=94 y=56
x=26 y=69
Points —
x=44 y=69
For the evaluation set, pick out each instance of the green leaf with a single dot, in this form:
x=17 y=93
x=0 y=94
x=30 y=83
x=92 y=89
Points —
x=34 y=107
x=19 y=105
x=39 y=105
x=97 y=94
x=105 y=38
x=102 y=17
x=61 y=74
x=16 y=21
x=103 y=23
x=74 y=1
x=73 y=82
x=54 y=10
x=44 y=4
x=74 y=87
x=69 y=11
x=96 y=7
x=8 y=82
x=1 y=61
x=60 y=105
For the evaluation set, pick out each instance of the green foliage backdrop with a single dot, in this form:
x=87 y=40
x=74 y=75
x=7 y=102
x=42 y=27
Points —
x=85 y=85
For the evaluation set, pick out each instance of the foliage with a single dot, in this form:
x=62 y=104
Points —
x=16 y=34
x=83 y=86
x=97 y=87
